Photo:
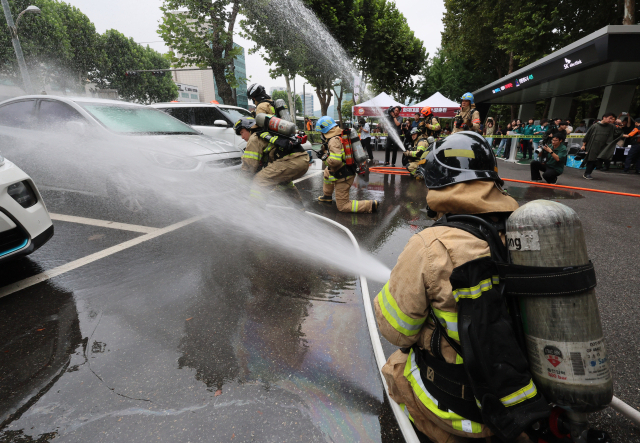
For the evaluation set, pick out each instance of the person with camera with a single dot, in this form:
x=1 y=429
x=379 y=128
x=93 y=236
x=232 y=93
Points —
x=468 y=118
x=552 y=160
x=393 y=125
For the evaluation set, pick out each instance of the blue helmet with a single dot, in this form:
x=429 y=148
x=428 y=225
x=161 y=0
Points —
x=324 y=124
x=467 y=96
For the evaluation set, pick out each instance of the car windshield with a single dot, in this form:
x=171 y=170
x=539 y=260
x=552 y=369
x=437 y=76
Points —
x=235 y=114
x=136 y=119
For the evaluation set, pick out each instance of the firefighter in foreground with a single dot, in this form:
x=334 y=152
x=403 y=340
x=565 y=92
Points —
x=468 y=118
x=273 y=161
x=262 y=100
x=338 y=174
x=430 y=126
x=421 y=144
x=442 y=273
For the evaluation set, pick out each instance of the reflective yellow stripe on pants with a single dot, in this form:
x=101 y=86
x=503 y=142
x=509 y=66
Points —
x=412 y=374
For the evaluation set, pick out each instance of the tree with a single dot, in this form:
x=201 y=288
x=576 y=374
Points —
x=284 y=96
x=389 y=54
x=347 y=109
x=122 y=54
x=59 y=45
x=201 y=34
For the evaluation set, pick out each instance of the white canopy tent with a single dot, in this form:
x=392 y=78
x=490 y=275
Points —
x=440 y=105
x=372 y=108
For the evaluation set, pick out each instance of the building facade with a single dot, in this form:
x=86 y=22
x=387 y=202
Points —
x=308 y=103
x=188 y=93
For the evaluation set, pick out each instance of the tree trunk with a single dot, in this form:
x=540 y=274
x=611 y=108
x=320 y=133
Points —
x=224 y=63
x=629 y=12
x=292 y=105
x=324 y=96
x=338 y=102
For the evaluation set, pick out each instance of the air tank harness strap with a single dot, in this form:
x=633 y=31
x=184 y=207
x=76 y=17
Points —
x=530 y=281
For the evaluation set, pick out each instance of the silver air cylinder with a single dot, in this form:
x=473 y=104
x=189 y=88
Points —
x=275 y=124
x=565 y=344
x=358 y=151
x=282 y=111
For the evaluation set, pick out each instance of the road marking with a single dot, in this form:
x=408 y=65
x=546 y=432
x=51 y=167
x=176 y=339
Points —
x=28 y=282
x=313 y=174
x=103 y=223
x=402 y=420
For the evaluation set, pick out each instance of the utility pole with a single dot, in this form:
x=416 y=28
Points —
x=26 y=80
x=629 y=12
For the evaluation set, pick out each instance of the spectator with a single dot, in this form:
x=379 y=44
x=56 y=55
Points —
x=529 y=129
x=538 y=130
x=446 y=130
x=503 y=148
x=562 y=128
x=582 y=128
x=393 y=126
x=553 y=158
x=499 y=132
x=416 y=120
x=308 y=124
x=633 y=157
x=596 y=140
x=489 y=130
x=365 y=137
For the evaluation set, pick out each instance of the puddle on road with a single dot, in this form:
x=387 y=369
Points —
x=542 y=192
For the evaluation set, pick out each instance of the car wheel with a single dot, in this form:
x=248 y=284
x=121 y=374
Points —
x=126 y=194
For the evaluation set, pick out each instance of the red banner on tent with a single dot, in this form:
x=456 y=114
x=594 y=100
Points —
x=410 y=111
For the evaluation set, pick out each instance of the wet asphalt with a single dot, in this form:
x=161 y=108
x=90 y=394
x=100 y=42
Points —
x=189 y=337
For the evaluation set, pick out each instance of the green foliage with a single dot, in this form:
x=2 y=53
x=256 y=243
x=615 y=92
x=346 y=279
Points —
x=202 y=34
x=122 y=54
x=389 y=54
x=346 y=109
x=59 y=45
x=283 y=95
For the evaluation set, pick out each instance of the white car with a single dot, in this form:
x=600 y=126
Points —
x=25 y=224
x=99 y=147
x=210 y=119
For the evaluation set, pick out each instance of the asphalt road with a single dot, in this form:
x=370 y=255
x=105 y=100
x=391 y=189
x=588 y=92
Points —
x=175 y=334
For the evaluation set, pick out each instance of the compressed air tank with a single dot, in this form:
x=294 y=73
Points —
x=275 y=124
x=564 y=338
x=282 y=111
x=358 y=151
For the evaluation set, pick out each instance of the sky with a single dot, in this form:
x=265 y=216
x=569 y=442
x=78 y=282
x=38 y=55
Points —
x=140 y=18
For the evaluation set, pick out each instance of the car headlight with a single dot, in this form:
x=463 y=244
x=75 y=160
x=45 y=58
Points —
x=174 y=162
x=23 y=194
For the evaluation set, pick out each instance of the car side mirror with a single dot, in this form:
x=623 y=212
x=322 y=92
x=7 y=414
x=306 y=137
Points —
x=78 y=128
x=220 y=124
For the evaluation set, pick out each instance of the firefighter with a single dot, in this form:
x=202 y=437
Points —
x=418 y=309
x=338 y=175
x=262 y=100
x=468 y=118
x=430 y=126
x=421 y=145
x=272 y=161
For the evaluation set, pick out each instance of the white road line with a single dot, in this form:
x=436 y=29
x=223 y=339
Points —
x=103 y=223
x=313 y=174
x=403 y=421
x=27 y=282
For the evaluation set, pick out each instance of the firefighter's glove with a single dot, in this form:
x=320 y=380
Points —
x=465 y=127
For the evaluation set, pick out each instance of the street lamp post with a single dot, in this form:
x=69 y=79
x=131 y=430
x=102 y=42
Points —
x=13 y=29
x=304 y=99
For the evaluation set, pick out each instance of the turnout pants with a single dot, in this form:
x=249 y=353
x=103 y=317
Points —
x=550 y=175
x=279 y=175
x=342 y=187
